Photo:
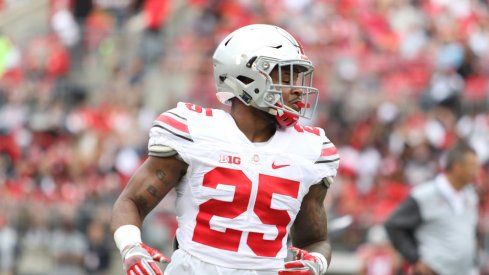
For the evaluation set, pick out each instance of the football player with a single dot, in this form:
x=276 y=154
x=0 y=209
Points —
x=246 y=179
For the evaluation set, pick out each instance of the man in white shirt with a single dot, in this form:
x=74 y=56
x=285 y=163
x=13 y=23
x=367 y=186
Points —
x=434 y=229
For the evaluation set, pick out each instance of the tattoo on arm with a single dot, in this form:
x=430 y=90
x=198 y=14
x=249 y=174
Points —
x=152 y=190
x=146 y=188
x=145 y=202
x=161 y=175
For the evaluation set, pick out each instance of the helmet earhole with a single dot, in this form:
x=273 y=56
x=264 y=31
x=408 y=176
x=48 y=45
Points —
x=257 y=91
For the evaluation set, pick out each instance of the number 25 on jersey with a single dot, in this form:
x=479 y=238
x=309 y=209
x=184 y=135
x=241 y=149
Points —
x=230 y=238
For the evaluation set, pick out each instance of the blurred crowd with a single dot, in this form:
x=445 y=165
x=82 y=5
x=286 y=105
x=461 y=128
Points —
x=400 y=82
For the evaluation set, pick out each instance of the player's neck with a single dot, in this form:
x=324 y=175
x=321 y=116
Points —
x=256 y=125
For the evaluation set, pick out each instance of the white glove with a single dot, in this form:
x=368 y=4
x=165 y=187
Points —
x=139 y=259
x=305 y=263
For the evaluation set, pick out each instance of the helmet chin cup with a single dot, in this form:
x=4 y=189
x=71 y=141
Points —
x=285 y=118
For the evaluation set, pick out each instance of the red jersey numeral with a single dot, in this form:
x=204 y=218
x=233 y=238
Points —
x=267 y=186
x=309 y=129
x=199 y=109
x=230 y=238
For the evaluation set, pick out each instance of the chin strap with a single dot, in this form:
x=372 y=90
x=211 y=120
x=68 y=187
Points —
x=287 y=119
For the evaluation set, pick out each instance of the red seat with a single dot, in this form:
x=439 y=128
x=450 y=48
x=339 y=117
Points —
x=476 y=88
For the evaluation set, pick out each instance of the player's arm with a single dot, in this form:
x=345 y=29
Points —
x=147 y=187
x=310 y=235
x=310 y=229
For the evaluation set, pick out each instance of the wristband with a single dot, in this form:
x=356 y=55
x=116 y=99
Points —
x=323 y=263
x=127 y=235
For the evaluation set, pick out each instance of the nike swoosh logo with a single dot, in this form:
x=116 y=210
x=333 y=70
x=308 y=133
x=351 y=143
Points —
x=275 y=166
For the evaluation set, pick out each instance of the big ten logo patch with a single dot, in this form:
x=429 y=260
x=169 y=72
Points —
x=230 y=159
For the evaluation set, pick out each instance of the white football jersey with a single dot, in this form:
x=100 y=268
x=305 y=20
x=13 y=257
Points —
x=238 y=199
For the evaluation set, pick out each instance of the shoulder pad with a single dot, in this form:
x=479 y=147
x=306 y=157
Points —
x=327 y=181
x=163 y=151
x=158 y=150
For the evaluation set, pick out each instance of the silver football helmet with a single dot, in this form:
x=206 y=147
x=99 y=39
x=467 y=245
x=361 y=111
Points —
x=244 y=60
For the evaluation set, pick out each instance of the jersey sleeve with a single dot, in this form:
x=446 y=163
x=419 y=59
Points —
x=170 y=134
x=329 y=159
